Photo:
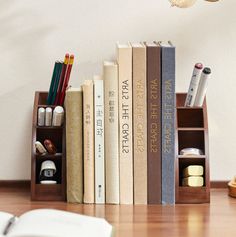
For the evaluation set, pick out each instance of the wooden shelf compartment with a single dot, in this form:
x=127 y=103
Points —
x=191 y=132
x=47 y=192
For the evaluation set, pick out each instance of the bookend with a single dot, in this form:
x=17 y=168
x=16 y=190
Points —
x=191 y=131
x=47 y=192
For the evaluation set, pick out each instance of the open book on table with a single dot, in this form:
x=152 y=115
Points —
x=53 y=223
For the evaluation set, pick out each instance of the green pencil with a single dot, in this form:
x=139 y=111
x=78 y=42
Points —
x=57 y=79
x=50 y=93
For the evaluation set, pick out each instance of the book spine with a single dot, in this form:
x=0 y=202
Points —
x=88 y=122
x=125 y=125
x=99 y=142
x=154 y=124
x=74 y=167
x=139 y=125
x=111 y=133
x=168 y=125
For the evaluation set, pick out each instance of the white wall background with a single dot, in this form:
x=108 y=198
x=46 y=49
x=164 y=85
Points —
x=33 y=34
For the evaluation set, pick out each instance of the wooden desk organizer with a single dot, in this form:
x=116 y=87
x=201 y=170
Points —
x=191 y=131
x=47 y=192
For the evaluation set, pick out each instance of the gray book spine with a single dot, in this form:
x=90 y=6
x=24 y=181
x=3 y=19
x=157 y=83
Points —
x=168 y=125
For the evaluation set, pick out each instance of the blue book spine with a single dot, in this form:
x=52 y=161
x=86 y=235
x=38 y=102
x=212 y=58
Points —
x=168 y=124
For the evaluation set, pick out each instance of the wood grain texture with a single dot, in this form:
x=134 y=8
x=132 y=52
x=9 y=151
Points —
x=215 y=219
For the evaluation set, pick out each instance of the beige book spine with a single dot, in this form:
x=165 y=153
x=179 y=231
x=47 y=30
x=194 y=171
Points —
x=193 y=170
x=88 y=122
x=110 y=74
x=74 y=149
x=139 y=124
x=193 y=181
x=124 y=56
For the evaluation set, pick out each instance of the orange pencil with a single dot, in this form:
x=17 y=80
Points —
x=62 y=78
x=66 y=81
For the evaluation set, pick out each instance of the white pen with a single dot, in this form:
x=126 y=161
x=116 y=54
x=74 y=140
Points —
x=202 y=87
x=192 y=91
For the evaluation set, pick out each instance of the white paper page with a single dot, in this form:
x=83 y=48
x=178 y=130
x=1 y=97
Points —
x=54 y=223
x=4 y=218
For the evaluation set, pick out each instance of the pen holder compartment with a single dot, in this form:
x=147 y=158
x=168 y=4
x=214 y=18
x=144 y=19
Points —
x=54 y=134
x=191 y=132
x=42 y=99
x=191 y=138
x=184 y=162
x=58 y=163
x=190 y=118
x=47 y=192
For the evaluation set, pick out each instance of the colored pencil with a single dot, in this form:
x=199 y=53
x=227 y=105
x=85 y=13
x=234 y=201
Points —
x=58 y=75
x=66 y=81
x=49 y=98
x=62 y=78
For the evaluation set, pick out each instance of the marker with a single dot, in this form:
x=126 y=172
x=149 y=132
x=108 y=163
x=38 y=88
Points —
x=48 y=116
x=202 y=87
x=192 y=91
x=41 y=116
x=58 y=116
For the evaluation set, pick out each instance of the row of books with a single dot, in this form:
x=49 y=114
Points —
x=120 y=139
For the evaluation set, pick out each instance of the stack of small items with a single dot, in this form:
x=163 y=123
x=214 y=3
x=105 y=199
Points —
x=192 y=174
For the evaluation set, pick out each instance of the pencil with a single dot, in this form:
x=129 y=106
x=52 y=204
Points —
x=49 y=98
x=62 y=78
x=57 y=78
x=66 y=81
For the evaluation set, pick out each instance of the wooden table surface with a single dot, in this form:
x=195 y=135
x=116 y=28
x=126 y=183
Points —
x=215 y=219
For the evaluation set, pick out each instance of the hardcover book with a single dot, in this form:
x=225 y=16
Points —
x=139 y=123
x=168 y=123
x=124 y=58
x=99 y=142
x=88 y=122
x=154 y=122
x=74 y=147
x=110 y=74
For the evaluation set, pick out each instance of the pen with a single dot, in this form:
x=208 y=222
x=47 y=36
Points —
x=201 y=92
x=9 y=224
x=192 y=91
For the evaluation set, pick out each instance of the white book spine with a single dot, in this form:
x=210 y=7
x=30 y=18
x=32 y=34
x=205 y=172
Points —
x=125 y=123
x=99 y=142
x=110 y=72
